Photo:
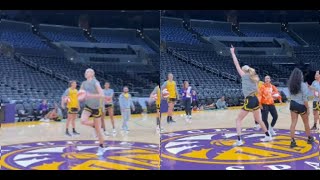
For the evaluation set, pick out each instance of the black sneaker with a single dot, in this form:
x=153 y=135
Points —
x=75 y=133
x=314 y=127
x=68 y=134
x=293 y=144
x=172 y=121
x=310 y=140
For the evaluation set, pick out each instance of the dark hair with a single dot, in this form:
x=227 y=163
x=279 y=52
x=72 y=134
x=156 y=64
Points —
x=107 y=82
x=295 y=80
x=70 y=82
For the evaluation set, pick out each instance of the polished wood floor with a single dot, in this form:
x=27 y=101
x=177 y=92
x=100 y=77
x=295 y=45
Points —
x=21 y=141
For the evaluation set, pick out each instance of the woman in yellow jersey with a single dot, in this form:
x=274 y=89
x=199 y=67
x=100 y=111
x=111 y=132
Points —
x=171 y=86
x=72 y=105
x=156 y=95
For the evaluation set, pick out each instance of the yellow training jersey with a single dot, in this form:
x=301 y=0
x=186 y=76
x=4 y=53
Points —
x=171 y=87
x=73 y=95
x=260 y=83
x=158 y=96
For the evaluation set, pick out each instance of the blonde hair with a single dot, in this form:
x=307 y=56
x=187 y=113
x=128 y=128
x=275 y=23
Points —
x=253 y=75
x=90 y=70
x=184 y=84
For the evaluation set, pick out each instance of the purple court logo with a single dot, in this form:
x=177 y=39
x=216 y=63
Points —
x=80 y=155
x=213 y=149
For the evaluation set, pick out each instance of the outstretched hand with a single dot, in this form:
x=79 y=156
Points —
x=232 y=49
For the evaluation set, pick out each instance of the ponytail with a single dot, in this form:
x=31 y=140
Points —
x=253 y=75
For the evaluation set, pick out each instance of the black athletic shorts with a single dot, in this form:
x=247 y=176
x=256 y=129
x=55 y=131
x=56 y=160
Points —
x=316 y=105
x=73 y=110
x=298 y=108
x=173 y=100
x=96 y=113
x=106 y=106
x=251 y=103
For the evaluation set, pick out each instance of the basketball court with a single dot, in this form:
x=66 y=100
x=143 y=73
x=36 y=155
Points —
x=41 y=145
x=206 y=143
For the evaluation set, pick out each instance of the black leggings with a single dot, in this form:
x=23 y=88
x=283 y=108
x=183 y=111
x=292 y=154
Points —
x=187 y=106
x=265 y=111
x=195 y=103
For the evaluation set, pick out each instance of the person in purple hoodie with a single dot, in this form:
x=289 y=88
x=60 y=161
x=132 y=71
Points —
x=186 y=99
x=43 y=109
x=194 y=99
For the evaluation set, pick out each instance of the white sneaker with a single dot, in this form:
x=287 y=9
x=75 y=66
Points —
x=94 y=134
x=46 y=120
x=190 y=119
x=158 y=130
x=106 y=133
x=266 y=139
x=272 y=132
x=100 y=151
x=114 y=132
x=257 y=127
x=186 y=118
x=238 y=143
x=41 y=120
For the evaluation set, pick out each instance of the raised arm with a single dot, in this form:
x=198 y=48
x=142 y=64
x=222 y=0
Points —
x=236 y=62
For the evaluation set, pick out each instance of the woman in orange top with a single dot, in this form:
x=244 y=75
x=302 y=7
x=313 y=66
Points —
x=268 y=93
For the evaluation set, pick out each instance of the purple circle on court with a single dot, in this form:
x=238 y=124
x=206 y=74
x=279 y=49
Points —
x=80 y=155
x=208 y=149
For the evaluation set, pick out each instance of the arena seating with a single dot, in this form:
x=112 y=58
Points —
x=119 y=36
x=27 y=85
x=307 y=31
x=209 y=85
x=153 y=34
x=20 y=35
x=265 y=30
x=22 y=82
x=63 y=33
x=211 y=28
x=172 y=31
x=206 y=84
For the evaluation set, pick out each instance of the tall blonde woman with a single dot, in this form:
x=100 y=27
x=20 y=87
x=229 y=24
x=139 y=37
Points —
x=250 y=81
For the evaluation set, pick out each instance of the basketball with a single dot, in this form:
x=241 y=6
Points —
x=108 y=99
x=154 y=97
x=66 y=99
x=165 y=93
x=81 y=95
x=276 y=95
